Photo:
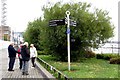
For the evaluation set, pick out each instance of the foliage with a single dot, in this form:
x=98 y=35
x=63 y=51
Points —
x=33 y=32
x=41 y=53
x=89 y=54
x=106 y=56
x=115 y=60
x=99 y=56
x=92 y=29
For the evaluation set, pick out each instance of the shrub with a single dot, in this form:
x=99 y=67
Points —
x=114 y=55
x=89 y=54
x=99 y=56
x=41 y=53
x=106 y=56
x=115 y=60
x=109 y=56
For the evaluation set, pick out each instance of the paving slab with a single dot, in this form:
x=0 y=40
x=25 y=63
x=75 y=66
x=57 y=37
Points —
x=37 y=73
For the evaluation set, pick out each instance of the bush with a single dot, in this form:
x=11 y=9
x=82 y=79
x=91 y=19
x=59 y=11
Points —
x=89 y=54
x=115 y=60
x=41 y=53
x=99 y=56
x=106 y=56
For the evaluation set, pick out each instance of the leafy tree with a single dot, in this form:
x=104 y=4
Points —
x=32 y=33
x=92 y=30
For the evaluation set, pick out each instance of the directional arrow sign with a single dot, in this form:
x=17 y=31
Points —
x=57 y=22
x=72 y=23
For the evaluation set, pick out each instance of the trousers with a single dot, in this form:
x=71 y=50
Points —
x=11 y=63
x=25 y=65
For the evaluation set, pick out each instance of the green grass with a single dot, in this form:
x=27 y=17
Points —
x=87 y=68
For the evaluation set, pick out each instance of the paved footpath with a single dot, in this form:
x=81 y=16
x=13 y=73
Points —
x=37 y=73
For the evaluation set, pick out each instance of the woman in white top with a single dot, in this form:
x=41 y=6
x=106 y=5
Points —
x=33 y=54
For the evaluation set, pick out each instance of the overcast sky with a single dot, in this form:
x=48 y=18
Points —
x=20 y=12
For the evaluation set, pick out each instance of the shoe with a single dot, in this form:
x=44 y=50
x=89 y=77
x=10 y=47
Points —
x=27 y=74
x=20 y=68
x=33 y=66
x=10 y=70
x=23 y=73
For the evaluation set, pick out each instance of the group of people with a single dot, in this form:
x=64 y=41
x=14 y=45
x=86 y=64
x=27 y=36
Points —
x=24 y=55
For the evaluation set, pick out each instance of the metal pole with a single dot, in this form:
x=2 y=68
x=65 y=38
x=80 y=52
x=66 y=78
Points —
x=68 y=38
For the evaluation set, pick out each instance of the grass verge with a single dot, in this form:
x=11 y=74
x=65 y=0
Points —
x=87 y=68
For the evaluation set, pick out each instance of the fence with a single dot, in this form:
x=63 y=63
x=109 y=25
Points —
x=59 y=74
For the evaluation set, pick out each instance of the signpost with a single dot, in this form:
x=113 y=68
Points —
x=57 y=22
x=69 y=23
x=68 y=38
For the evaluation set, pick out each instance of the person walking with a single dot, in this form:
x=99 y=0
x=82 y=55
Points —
x=33 y=54
x=25 y=53
x=20 y=57
x=12 y=55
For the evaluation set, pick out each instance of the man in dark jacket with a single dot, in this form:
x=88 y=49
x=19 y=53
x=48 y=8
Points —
x=25 y=58
x=12 y=55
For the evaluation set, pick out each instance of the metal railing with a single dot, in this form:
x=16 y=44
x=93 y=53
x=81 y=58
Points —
x=60 y=75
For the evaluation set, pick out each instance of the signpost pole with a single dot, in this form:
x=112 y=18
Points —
x=63 y=22
x=68 y=37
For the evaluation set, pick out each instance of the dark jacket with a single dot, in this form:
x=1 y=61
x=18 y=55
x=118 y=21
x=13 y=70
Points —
x=25 y=53
x=12 y=52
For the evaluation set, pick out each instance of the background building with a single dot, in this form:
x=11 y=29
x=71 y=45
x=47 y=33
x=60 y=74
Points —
x=5 y=33
x=17 y=37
